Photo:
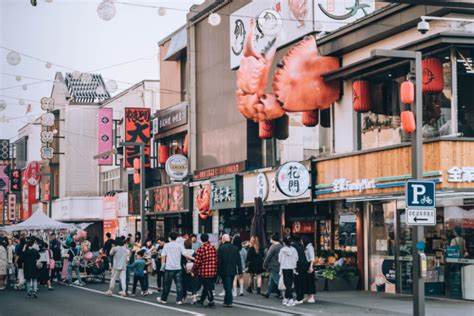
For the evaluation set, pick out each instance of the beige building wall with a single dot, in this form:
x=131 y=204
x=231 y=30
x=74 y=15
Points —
x=170 y=75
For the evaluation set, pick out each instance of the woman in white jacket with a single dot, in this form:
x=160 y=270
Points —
x=288 y=257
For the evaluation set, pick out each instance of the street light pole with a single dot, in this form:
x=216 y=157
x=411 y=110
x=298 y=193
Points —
x=417 y=173
x=417 y=166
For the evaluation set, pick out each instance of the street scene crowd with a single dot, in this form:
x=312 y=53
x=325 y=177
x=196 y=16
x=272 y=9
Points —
x=191 y=262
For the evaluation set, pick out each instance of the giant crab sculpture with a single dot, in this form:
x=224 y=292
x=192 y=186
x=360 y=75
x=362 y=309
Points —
x=298 y=85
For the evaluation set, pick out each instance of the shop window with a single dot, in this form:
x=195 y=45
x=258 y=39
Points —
x=382 y=127
x=465 y=82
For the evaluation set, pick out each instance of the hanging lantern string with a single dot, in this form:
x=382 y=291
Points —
x=93 y=70
x=158 y=6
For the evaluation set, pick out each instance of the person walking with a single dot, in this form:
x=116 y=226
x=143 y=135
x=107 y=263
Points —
x=309 y=282
x=288 y=258
x=119 y=253
x=55 y=248
x=74 y=264
x=301 y=270
x=3 y=263
x=272 y=266
x=108 y=244
x=229 y=265
x=255 y=264
x=159 y=272
x=44 y=273
x=30 y=256
x=205 y=267
x=171 y=264
x=239 y=278
x=19 y=249
x=189 y=280
x=138 y=269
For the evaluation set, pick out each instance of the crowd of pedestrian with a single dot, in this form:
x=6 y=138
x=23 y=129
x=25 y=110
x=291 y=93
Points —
x=192 y=264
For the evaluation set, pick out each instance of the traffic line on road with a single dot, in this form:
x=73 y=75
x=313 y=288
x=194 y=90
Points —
x=142 y=302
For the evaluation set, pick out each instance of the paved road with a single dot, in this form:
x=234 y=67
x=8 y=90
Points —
x=92 y=301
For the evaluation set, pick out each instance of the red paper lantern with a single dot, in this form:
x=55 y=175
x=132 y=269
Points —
x=407 y=92
x=361 y=96
x=433 y=80
x=265 y=129
x=163 y=153
x=408 y=121
x=310 y=118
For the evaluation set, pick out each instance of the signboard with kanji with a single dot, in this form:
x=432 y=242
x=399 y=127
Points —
x=137 y=130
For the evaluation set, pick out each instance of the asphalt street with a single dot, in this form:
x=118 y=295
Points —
x=91 y=301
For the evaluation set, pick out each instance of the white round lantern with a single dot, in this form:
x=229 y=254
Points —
x=161 y=11
x=106 y=10
x=111 y=85
x=13 y=58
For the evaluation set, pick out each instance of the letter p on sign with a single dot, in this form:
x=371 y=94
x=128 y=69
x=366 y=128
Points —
x=420 y=194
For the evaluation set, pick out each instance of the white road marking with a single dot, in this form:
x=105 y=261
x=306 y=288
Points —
x=142 y=302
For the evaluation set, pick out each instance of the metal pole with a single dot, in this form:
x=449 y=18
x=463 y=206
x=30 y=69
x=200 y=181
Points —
x=142 y=191
x=417 y=173
x=51 y=190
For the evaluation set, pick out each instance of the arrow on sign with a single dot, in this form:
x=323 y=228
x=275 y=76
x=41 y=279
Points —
x=417 y=219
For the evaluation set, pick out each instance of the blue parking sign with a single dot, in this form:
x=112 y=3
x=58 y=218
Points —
x=420 y=194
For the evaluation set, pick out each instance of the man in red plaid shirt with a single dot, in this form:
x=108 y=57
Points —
x=205 y=267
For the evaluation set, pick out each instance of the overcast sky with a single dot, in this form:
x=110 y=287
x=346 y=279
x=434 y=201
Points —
x=69 y=33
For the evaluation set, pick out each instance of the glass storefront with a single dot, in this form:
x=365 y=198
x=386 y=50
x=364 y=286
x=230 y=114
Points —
x=449 y=248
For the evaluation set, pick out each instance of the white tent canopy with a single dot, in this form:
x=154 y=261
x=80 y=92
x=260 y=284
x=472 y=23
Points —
x=38 y=221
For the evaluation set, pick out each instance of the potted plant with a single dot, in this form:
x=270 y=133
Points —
x=346 y=279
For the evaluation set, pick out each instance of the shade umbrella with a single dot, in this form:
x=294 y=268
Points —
x=38 y=221
x=257 y=227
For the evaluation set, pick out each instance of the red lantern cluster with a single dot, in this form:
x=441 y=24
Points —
x=407 y=92
x=163 y=153
x=408 y=121
x=407 y=96
x=433 y=80
x=361 y=96
x=310 y=118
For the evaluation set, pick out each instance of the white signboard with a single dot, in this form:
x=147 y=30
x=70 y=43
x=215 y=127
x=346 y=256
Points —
x=420 y=217
x=177 y=167
x=47 y=152
x=47 y=119
x=293 y=179
x=342 y=185
x=461 y=175
x=262 y=186
x=299 y=18
x=296 y=17
x=333 y=14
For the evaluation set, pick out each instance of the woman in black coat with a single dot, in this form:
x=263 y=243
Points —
x=30 y=257
x=255 y=263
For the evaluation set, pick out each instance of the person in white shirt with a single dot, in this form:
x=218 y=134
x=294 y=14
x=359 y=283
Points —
x=288 y=257
x=171 y=264
x=120 y=255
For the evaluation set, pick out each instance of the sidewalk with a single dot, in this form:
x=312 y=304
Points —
x=355 y=303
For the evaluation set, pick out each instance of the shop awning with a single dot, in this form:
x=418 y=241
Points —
x=374 y=65
x=179 y=41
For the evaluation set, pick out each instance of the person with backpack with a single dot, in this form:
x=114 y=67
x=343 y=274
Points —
x=30 y=257
x=288 y=258
x=301 y=270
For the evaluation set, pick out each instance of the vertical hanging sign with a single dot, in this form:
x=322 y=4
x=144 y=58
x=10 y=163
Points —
x=104 y=121
x=137 y=129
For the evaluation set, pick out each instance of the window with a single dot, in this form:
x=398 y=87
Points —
x=110 y=181
x=465 y=82
x=382 y=127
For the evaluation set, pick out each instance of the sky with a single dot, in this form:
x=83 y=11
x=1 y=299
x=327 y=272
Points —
x=70 y=33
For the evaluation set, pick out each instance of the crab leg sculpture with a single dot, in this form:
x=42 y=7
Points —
x=297 y=84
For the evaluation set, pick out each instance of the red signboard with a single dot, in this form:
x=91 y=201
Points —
x=33 y=173
x=302 y=227
x=169 y=199
x=137 y=129
x=217 y=171
x=28 y=193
